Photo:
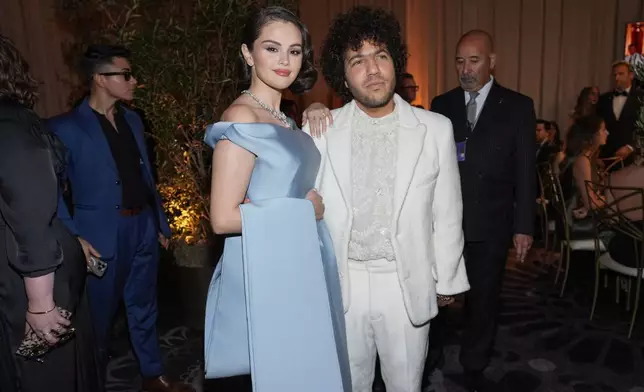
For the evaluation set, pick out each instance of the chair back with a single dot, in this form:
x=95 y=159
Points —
x=610 y=215
x=612 y=162
x=553 y=192
x=543 y=200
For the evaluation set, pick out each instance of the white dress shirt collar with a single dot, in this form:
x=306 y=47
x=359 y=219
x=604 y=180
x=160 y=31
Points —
x=483 y=93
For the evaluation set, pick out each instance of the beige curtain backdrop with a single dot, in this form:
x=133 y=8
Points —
x=547 y=49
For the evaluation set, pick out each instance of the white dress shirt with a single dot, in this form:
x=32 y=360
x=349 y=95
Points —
x=618 y=106
x=618 y=103
x=483 y=93
x=373 y=174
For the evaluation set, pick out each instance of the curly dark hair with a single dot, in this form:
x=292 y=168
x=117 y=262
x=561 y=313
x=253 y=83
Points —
x=16 y=84
x=581 y=134
x=584 y=107
x=349 y=31
x=308 y=75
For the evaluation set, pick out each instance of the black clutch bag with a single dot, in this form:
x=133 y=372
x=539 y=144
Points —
x=34 y=348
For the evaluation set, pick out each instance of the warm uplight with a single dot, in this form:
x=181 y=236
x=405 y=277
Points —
x=183 y=216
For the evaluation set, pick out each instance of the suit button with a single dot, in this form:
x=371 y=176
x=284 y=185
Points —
x=118 y=207
x=480 y=174
x=117 y=182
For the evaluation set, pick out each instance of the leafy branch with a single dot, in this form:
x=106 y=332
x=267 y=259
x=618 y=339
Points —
x=185 y=57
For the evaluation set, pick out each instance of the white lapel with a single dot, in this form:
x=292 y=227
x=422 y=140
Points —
x=411 y=139
x=339 y=151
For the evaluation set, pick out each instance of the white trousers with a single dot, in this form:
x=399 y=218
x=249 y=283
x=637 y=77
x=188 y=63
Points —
x=377 y=322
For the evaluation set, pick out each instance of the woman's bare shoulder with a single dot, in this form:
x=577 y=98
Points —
x=582 y=165
x=240 y=112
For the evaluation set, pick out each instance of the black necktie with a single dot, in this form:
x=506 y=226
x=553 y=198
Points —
x=620 y=94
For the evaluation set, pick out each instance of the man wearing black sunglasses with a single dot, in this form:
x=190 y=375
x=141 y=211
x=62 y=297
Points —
x=116 y=207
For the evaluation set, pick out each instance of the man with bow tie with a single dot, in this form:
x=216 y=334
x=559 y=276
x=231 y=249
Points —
x=620 y=110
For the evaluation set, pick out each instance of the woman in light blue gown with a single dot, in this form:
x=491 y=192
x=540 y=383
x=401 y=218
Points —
x=274 y=307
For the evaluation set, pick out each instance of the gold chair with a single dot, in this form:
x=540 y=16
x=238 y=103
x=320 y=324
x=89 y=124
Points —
x=611 y=162
x=548 y=225
x=611 y=217
x=569 y=240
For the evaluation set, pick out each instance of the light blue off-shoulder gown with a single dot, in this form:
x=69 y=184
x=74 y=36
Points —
x=274 y=307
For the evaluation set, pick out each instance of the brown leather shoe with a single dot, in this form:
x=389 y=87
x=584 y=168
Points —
x=162 y=384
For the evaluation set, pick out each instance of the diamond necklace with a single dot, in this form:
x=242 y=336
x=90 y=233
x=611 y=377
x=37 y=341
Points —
x=280 y=116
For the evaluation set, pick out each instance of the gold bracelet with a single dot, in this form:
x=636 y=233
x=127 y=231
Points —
x=41 y=313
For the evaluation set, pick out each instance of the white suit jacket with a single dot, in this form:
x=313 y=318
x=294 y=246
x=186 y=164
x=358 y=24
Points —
x=428 y=209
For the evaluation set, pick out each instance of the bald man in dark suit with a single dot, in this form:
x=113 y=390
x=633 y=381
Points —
x=494 y=129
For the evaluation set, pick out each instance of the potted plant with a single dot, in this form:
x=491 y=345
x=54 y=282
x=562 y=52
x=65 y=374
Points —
x=185 y=57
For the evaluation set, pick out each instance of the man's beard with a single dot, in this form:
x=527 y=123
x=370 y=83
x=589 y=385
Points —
x=468 y=82
x=372 y=102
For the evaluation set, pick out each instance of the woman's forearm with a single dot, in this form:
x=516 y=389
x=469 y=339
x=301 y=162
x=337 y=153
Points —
x=40 y=292
x=598 y=201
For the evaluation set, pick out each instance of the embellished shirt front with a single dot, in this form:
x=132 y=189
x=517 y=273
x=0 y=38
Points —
x=374 y=145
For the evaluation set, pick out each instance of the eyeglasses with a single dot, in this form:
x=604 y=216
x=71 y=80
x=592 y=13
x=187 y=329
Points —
x=127 y=75
x=415 y=88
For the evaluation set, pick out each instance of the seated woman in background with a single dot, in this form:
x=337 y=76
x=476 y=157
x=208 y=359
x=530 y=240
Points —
x=586 y=103
x=585 y=137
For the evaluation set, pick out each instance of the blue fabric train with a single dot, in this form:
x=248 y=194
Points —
x=274 y=307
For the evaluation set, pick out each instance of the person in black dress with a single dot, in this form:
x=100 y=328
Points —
x=42 y=266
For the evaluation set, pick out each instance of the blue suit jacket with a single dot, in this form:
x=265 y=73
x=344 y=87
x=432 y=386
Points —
x=94 y=178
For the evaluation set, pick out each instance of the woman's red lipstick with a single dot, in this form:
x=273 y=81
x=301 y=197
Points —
x=283 y=72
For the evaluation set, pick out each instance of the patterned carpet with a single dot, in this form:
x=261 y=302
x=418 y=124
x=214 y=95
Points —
x=545 y=343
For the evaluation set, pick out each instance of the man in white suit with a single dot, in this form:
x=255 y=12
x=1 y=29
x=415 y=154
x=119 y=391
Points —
x=391 y=186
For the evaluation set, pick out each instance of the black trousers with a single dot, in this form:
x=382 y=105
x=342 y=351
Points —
x=485 y=263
